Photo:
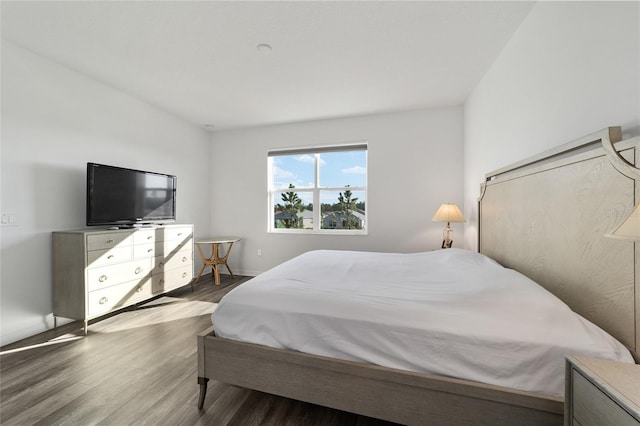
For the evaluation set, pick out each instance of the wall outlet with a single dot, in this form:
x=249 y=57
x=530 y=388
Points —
x=9 y=219
x=259 y=252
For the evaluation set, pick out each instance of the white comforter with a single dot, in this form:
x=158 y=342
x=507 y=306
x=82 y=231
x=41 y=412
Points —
x=449 y=312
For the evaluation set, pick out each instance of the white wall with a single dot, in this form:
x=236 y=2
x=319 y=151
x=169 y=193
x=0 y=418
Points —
x=54 y=121
x=572 y=68
x=414 y=165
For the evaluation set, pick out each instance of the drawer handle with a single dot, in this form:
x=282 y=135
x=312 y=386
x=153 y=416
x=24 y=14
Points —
x=184 y=259
x=102 y=278
x=139 y=289
x=138 y=270
x=179 y=234
x=103 y=300
x=109 y=241
x=150 y=250
x=150 y=237
x=184 y=275
x=110 y=256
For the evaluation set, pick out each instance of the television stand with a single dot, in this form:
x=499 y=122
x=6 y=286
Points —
x=98 y=271
x=135 y=226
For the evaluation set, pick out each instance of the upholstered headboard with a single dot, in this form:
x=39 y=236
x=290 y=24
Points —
x=548 y=217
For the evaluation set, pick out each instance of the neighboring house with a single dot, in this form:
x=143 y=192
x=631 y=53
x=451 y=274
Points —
x=332 y=220
x=338 y=220
x=282 y=219
x=307 y=219
x=285 y=220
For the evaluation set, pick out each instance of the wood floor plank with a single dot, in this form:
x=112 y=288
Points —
x=98 y=402
x=138 y=367
x=183 y=391
x=33 y=413
x=158 y=386
x=49 y=387
x=253 y=410
x=279 y=412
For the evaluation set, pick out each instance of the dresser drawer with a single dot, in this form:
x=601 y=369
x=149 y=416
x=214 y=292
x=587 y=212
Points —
x=168 y=248
x=118 y=296
x=115 y=274
x=172 y=279
x=142 y=251
x=177 y=233
x=108 y=240
x=109 y=256
x=179 y=259
x=145 y=236
x=592 y=407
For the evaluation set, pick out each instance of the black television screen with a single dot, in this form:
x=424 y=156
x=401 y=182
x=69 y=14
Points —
x=120 y=196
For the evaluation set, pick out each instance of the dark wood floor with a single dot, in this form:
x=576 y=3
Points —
x=139 y=367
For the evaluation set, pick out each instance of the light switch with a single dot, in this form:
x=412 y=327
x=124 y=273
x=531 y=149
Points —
x=9 y=219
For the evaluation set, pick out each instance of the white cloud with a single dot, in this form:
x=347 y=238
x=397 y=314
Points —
x=306 y=158
x=282 y=173
x=355 y=170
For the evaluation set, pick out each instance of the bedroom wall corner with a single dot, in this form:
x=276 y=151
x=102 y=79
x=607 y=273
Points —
x=55 y=120
x=570 y=69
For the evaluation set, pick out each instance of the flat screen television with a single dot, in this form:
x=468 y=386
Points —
x=125 y=197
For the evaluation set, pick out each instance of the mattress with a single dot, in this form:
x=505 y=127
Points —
x=449 y=312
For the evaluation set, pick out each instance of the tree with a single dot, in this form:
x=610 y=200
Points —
x=290 y=209
x=347 y=207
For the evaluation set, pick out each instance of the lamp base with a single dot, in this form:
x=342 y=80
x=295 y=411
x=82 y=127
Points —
x=447 y=242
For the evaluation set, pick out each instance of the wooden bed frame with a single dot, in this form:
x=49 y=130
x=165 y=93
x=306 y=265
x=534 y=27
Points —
x=546 y=217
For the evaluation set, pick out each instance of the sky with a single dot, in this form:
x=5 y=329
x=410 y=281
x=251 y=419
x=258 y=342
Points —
x=337 y=169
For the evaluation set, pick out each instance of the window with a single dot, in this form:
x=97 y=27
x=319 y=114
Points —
x=318 y=190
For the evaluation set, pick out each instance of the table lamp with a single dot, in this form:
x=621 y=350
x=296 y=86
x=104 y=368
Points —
x=448 y=213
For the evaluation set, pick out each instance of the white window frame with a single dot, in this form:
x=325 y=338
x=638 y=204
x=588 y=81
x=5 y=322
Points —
x=316 y=190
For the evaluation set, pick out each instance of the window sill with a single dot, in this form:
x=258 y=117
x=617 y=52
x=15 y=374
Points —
x=362 y=232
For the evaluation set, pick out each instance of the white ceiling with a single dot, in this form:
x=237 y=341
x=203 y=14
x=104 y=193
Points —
x=199 y=59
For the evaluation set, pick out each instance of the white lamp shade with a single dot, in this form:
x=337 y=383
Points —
x=630 y=228
x=448 y=213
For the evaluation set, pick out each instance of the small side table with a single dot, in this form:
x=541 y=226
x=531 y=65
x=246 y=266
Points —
x=215 y=260
x=601 y=392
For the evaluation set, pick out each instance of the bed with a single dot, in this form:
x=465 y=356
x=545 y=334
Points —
x=518 y=216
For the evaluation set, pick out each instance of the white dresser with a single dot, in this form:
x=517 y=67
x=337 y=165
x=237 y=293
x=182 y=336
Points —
x=99 y=271
x=602 y=393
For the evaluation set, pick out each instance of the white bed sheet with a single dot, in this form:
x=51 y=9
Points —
x=448 y=312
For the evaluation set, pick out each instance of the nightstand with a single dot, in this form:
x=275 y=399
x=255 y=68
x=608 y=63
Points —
x=600 y=392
